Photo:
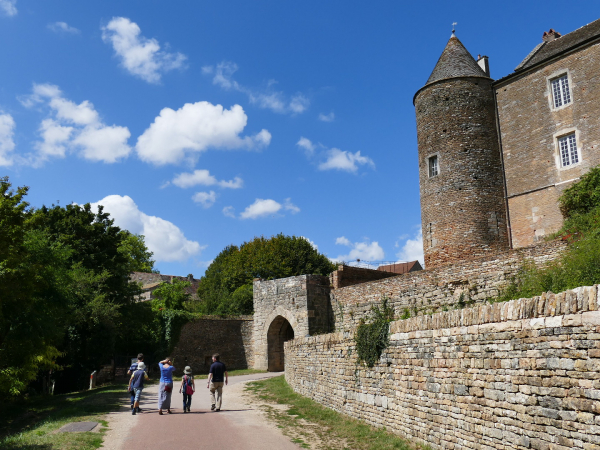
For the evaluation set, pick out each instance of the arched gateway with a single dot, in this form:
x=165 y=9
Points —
x=286 y=308
x=280 y=331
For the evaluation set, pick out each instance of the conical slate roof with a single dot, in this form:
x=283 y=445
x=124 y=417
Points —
x=455 y=62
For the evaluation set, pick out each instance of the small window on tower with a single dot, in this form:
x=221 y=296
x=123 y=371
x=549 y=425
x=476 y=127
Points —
x=561 y=92
x=434 y=168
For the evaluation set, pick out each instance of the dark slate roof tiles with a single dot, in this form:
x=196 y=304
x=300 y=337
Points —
x=455 y=62
x=548 y=50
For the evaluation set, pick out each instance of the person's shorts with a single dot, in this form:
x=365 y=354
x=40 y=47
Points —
x=138 y=392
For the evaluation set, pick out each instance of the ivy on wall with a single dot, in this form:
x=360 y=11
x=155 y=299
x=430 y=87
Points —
x=373 y=336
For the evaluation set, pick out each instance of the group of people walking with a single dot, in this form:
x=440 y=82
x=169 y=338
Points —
x=217 y=378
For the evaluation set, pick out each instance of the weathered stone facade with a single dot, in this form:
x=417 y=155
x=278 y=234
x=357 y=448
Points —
x=231 y=337
x=150 y=281
x=517 y=375
x=349 y=275
x=433 y=290
x=530 y=126
x=463 y=211
x=287 y=308
x=481 y=190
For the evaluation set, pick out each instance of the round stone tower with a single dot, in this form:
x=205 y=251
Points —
x=463 y=210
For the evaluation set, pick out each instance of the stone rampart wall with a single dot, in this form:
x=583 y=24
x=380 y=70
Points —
x=231 y=337
x=517 y=375
x=438 y=289
x=349 y=276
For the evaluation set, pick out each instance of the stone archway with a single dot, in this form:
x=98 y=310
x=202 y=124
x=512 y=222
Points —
x=279 y=331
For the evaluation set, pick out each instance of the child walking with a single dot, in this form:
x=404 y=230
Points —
x=136 y=385
x=188 y=388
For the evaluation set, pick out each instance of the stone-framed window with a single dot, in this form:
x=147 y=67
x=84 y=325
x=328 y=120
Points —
x=433 y=166
x=559 y=86
x=568 y=152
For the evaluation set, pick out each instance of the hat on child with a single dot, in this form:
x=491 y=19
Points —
x=141 y=366
x=187 y=370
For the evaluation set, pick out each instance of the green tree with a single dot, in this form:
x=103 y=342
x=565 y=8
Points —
x=583 y=196
x=168 y=305
x=226 y=287
x=133 y=248
x=34 y=277
x=99 y=288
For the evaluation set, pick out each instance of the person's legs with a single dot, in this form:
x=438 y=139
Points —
x=219 y=396
x=212 y=389
x=167 y=402
x=186 y=399
x=136 y=405
x=189 y=402
x=132 y=394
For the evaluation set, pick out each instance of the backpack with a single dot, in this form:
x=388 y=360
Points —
x=189 y=390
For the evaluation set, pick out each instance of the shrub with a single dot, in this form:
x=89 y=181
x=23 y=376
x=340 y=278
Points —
x=373 y=337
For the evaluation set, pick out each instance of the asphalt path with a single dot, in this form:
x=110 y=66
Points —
x=239 y=425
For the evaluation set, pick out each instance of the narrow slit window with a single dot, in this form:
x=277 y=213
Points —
x=560 y=91
x=568 y=150
x=433 y=166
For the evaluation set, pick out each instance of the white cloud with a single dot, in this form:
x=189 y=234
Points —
x=334 y=158
x=7 y=143
x=63 y=27
x=265 y=207
x=412 y=248
x=194 y=128
x=267 y=98
x=327 y=117
x=206 y=199
x=345 y=161
x=8 y=7
x=229 y=211
x=162 y=237
x=139 y=55
x=307 y=145
x=365 y=251
x=74 y=127
x=203 y=177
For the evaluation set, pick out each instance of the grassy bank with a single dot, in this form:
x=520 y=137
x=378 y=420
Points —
x=31 y=424
x=307 y=421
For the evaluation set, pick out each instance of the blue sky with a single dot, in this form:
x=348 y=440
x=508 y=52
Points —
x=203 y=124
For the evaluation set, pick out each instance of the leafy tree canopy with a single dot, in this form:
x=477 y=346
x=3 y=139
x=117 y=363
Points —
x=583 y=196
x=226 y=287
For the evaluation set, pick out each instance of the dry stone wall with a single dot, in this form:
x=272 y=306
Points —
x=231 y=337
x=434 y=290
x=523 y=374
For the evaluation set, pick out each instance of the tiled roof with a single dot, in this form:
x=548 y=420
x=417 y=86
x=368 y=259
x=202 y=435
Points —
x=547 y=50
x=454 y=62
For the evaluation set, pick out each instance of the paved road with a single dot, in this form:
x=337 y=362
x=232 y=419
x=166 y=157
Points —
x=238 y=425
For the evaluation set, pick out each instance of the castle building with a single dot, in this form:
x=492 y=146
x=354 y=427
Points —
x=495 y=156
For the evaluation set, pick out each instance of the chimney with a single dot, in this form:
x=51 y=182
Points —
x=484 y=64
x=550 y=35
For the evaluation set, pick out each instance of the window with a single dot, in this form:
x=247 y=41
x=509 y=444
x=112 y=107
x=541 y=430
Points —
x=433 y=166
x=560 y=91
x=568 y=150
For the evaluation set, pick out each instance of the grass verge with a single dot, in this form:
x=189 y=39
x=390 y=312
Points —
x=31 y=424
x=311 y=425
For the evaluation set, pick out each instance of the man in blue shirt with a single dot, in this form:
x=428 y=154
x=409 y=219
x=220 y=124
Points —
x=133 y=368
x=136 y=385
x=216 y=374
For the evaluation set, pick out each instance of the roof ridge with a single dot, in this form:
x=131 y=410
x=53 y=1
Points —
x=454 y=62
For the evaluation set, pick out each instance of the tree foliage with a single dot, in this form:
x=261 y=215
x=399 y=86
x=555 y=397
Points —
x=579 y=265
x=226 y=287
x=583 y=196
x=65 y=295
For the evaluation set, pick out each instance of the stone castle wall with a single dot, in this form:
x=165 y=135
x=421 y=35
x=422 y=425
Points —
x=462 y=207
x=530 y=126
x=231 y=337
x=303 y=301
x=349 y=276
x=433 y=290
x=517 y=375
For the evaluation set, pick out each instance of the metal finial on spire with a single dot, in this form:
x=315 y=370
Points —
x=454 y=28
